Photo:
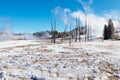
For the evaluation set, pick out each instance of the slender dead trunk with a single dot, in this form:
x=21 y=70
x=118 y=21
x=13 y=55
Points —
x=88 y=32
x=91 y=30
x=63 y=36
x=79 y=31
x=53 y=30
x=76 y=30
x=70 y=37
x=85 y=28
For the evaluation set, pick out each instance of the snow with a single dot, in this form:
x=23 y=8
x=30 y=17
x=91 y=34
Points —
x=12 y=43
x=41 y=60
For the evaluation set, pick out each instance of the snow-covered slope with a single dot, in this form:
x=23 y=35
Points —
x=41 y=60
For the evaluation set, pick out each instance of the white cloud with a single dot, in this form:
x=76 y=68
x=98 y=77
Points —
x=66 y=10
x=115 y=15
x=86 y=5
x=97 y=22
x=90 y=1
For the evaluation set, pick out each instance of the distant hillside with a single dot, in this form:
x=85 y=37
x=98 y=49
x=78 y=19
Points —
x=82 y=31
x=43 y=34
x=48 y=34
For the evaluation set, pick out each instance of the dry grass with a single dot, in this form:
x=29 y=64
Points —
x=112 y=78
x=71 y=58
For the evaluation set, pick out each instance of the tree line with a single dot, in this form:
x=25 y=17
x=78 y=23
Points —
x=75 y=34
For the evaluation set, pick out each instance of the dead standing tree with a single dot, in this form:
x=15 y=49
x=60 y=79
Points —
x=79 y=31
x=76 y=33
x=70 y=36
x=53 y=31
x=64 y=33
x=88 y=30
x=85 y=28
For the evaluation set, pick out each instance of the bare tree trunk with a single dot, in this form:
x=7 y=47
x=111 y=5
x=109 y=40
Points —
x=91 y=31
x=53 y=30
x=76 y=36
x=76 y=30
x=88 y=32
x=85 y=29
x=79 y=31
x=70 y=37
x=63 y=36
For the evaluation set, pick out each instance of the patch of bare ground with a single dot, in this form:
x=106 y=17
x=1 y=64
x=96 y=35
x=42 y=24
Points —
x=71 y=48
x=40 y=61
x=20 y=67
x=23 y=78
x=44 y=50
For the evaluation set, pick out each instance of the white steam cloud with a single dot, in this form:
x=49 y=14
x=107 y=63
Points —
x=6 y=32
x=64 y=14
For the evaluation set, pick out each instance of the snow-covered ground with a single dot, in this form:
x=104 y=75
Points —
x=41 y=60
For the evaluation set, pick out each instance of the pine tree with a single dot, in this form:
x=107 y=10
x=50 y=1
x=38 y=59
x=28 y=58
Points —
x=106 y=36
x=111 y=29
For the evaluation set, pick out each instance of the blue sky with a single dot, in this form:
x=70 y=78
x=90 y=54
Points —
x=28 y=16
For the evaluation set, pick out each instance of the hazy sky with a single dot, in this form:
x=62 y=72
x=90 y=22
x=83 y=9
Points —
x=35 y=15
